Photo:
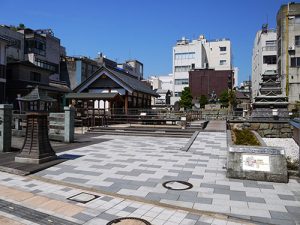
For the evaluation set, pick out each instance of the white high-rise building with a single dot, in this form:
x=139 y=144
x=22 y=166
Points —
x=263 y=57
x=266 y=85
x=198 y=54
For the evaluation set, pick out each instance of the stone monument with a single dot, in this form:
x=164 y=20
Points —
x=5 y=127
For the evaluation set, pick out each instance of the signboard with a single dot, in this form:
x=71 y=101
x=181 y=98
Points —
x=256 y=163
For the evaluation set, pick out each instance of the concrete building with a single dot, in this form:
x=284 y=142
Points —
x=266 y=83
x=288 y=42
x=43 y=49
x=198 y=54
x=134 y=67
x=236 y=76
x=206 y=81
x=219 y=54
x=15 y=47
x=3 y=43
x=75 y=70
x=163 y=86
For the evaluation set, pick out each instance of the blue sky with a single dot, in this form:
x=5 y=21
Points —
x=145 y=29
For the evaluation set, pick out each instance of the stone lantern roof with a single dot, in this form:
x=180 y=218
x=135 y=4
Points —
x=37 y=94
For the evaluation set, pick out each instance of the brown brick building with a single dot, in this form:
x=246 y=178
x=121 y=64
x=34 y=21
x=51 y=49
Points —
x=204 y=81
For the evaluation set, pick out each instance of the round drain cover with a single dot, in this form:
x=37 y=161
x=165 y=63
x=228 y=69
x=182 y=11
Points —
x=128 y=221
x=177 y=185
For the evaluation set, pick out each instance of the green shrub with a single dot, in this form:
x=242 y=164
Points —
x=292 y=164
x=245 y=137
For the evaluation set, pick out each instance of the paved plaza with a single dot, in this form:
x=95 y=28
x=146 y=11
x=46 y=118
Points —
x=136 y=167
x=25 y=200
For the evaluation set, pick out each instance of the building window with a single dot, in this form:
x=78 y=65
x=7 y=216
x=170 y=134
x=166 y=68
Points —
x=185 y=55
x=295 y=62
x=222 y=62
x=182 y=68
x=222 y=49
x=36 y=77
x=270 y=59
x=181 y=81
x=297 y=19
x=271 y=43
x=177 y=94
x=297 y=40
x=46 y=65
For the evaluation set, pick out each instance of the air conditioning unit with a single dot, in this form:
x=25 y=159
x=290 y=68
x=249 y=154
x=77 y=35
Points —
x=292 y=48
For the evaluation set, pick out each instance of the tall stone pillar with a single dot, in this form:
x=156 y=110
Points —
x=5 y=127
x=69 y=124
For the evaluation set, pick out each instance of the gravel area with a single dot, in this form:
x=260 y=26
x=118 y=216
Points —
x=290 y=146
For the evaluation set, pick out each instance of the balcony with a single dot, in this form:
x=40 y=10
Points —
x=269 y=48
x=2 y=71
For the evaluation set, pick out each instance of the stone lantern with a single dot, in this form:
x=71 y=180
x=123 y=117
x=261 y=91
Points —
x=36 y=148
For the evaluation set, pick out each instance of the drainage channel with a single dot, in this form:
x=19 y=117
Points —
x=190 y=142
x=31 y=214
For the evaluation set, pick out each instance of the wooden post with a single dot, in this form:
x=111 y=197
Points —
x=126 y=103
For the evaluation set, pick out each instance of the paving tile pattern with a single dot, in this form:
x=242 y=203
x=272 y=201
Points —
x=137 y=166
x=35 y=206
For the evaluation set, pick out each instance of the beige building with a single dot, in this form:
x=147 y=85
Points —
x=288 y=43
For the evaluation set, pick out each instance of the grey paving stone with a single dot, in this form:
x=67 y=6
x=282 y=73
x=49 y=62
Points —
x=202 y=223
x=266 y=186
x=168 y=160
x=107 y=198
x=107 y=216
x=280 y=215
x=66 y=189
x=75 y=180
x=153 y=196
x=112 y=165
x=129 y=209
x=215 y=186
x=192 y=216
x=293 y=209
x=150 y=166
x=36 y=191
x=203 y=200
x=287 y=197
x=83 y=217
x=255 y=199
x=197 y=176
x=264 y=220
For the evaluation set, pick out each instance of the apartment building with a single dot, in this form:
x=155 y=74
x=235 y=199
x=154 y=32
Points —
x=288 y=52
x=265 y=79
x=198 y=54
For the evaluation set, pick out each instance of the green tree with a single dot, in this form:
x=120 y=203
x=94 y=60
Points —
x=186 y=98
x=228 y=99
x=203 y=101
x=224 y=98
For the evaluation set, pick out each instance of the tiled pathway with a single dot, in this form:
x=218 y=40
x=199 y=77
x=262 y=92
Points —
x=29 y=201
x=137 y=166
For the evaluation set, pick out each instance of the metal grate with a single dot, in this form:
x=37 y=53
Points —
x=83 y=197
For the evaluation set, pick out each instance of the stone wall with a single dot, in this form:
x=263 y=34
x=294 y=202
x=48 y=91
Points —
x=266 y=129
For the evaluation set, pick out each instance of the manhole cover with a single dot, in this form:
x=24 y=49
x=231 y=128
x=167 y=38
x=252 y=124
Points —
x=83 y=197
x=128 y=221
x=177 y=185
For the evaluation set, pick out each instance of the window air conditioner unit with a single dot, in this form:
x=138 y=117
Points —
x=292 y=48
